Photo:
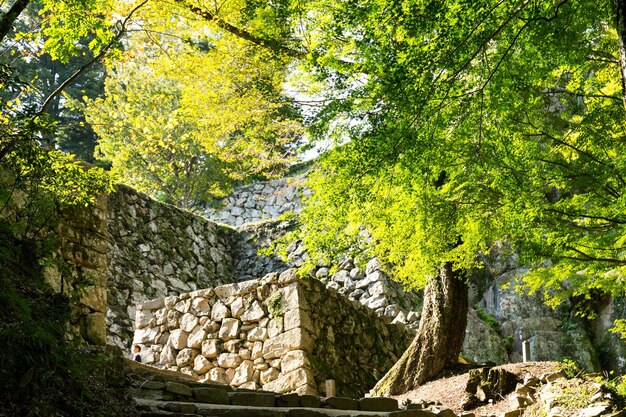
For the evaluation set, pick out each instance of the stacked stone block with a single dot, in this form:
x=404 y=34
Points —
x=260 y=201
x=248 y=262
x=158 y=250
x=374 y=289
x=353 y=345
x=271 y=334
x=83 y=242
x=247 y=335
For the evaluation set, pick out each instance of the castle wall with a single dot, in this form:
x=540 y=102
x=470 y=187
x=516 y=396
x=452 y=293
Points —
x=156 y=250
x=279 y=333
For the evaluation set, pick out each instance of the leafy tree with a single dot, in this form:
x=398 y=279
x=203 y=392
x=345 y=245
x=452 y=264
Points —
x=152 y=146
x=36 y=182
x=187 y=113
x=460 y=123
x=43 y=74
x=499 y=120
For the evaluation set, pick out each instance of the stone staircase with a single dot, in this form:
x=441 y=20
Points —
x=166 y=393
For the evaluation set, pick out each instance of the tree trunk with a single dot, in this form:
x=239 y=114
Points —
x=439 y=338
x=6 y=20
x=619 y=7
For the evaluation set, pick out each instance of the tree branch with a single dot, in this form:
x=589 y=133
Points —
x=619 y=9
x=272 y=44
x=607 y=219
x=6 y=20
x=92 y=61
x=588 y=258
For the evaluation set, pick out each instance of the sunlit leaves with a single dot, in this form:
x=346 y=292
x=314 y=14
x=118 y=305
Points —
x=518 y=103
x=188 y=111
x=67 y=21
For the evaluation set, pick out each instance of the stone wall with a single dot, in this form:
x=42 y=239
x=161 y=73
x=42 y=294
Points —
x=74 y=242
x=353 y=345
x=370 y=285
x=83 y=240
x=158 y=250
x=279 y=333
x=374 y=289
x=142 y=249
x=249 y=239
x=260 y=201
x=497 y=326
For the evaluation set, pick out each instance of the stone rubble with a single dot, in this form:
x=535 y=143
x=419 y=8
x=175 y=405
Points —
x=553 y=394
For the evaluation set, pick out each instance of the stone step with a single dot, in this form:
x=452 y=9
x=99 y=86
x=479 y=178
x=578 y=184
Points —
x=166 y=393
x=154 y=408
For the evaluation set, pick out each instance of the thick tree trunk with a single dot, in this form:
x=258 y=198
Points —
x=439 y=338
x=6 y=20
x=619 y=6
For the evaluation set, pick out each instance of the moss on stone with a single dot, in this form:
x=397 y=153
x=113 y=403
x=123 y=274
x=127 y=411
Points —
x=275 y=305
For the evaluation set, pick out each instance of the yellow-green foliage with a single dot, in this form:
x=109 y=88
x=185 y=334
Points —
x=450 y=142
x=189 y=109
x=619 y=328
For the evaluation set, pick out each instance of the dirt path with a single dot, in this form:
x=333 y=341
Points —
x=449 y=391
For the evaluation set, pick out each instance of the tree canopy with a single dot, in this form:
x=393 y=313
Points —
x=456 y=123
x=462 y=123
x=472 y=122
x=189 y=110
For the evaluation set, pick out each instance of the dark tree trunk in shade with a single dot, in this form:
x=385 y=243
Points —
x=7 y=19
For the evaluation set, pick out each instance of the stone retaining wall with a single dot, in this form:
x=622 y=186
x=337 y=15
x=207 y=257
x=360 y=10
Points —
x=260 y=201
x=249 y=239
x=353 y=345
x=374 y=289
x=158 y=250
x=279 y=333
x=370 y=285
x=82 y=236
x=77 y=263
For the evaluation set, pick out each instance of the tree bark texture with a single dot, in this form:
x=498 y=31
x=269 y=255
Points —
x=619 y=6
x=439 y=338
x=6 y=21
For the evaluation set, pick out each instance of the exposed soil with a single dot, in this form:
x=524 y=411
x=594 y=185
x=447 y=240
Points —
x=449 y=390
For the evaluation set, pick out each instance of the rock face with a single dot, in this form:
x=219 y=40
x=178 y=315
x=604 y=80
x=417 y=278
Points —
x=157 y=250
x=552 y=334
x=288 y=335
x=483 y=343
